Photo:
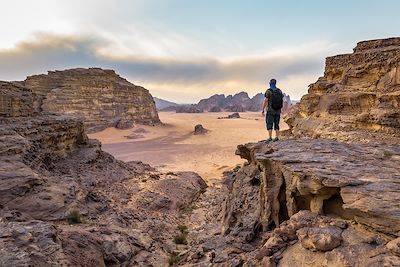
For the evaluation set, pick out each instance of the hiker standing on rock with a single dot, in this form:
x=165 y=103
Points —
x=273 y=101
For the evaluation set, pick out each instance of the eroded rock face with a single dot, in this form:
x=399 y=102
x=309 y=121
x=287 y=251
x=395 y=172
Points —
x=357 y=99
x=50 y=170
x=282 y=194
x=99 y=97
x=326 y=176
x=15 y=100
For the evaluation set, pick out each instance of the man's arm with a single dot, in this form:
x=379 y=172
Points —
x=264 y=105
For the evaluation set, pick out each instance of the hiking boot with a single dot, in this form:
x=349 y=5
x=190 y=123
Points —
x=269 y=141
x=276 y=139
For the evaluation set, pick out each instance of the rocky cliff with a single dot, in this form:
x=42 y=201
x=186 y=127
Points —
x=358 y=98
x=99 y=97
x=65 y=202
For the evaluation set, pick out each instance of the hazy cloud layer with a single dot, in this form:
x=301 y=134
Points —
x=184 y=80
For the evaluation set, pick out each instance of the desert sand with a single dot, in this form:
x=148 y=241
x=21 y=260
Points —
x=173 y=147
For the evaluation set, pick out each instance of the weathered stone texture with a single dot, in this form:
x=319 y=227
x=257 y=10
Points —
x=15 y=100
x=357 y=99
x=100 y=97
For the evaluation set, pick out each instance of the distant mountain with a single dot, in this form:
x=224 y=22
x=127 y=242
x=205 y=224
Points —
x=240 y=102
x=163 y=104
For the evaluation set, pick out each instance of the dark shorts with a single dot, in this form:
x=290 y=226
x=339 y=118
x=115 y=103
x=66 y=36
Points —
x=272 y=120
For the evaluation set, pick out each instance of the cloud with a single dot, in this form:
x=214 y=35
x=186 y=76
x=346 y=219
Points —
x=183 y=79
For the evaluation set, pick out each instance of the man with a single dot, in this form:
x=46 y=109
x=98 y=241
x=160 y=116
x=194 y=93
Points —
x=273 y=101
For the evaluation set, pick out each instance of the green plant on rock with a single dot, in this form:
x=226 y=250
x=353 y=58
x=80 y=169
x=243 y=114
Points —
x=387 y=154
x=188 y=210
x=183 y=229
x=74 y=217
x=174 y=259
x=237 y=168
x=181 y=238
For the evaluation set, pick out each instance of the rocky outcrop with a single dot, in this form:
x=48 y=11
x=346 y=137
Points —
x=65 y=202
x=99 y=97
x=290 y=191
x=357 y=99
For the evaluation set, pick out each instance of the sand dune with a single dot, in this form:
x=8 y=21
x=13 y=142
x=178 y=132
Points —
x=173 y=147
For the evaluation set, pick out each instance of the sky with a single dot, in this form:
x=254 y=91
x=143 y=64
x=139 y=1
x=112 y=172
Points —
x=186 y=50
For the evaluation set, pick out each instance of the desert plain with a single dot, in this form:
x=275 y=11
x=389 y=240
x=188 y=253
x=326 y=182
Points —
x=172 y=146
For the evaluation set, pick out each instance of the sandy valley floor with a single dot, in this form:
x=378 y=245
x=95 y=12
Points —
x=174 y=147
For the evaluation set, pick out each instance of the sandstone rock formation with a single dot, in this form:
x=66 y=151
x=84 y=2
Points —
x=358 y=98
x=322 y=201
x=99 y=97
x=65 y=202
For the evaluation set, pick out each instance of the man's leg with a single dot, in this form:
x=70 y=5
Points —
x=270 y=122
x=277 y=118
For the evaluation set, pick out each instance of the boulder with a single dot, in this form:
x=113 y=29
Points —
x=199 y=130
x=234 y=116
x=321 y=239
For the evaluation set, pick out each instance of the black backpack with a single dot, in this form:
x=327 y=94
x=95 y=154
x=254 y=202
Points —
x=276 y=99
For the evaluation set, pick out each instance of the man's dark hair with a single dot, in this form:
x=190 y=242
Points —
x=272 y=81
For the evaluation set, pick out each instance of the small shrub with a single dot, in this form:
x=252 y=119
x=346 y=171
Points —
x=174 y=259
x=183 y=229
x=74 y=217
x=387 y=154
x=188 y=210
x=180 y=239
x=237 y=168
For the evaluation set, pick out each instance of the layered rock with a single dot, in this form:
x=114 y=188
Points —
x=290 y=191
x=65 y=202
x=357 y=99
x=15 y=100
x=99 y=97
